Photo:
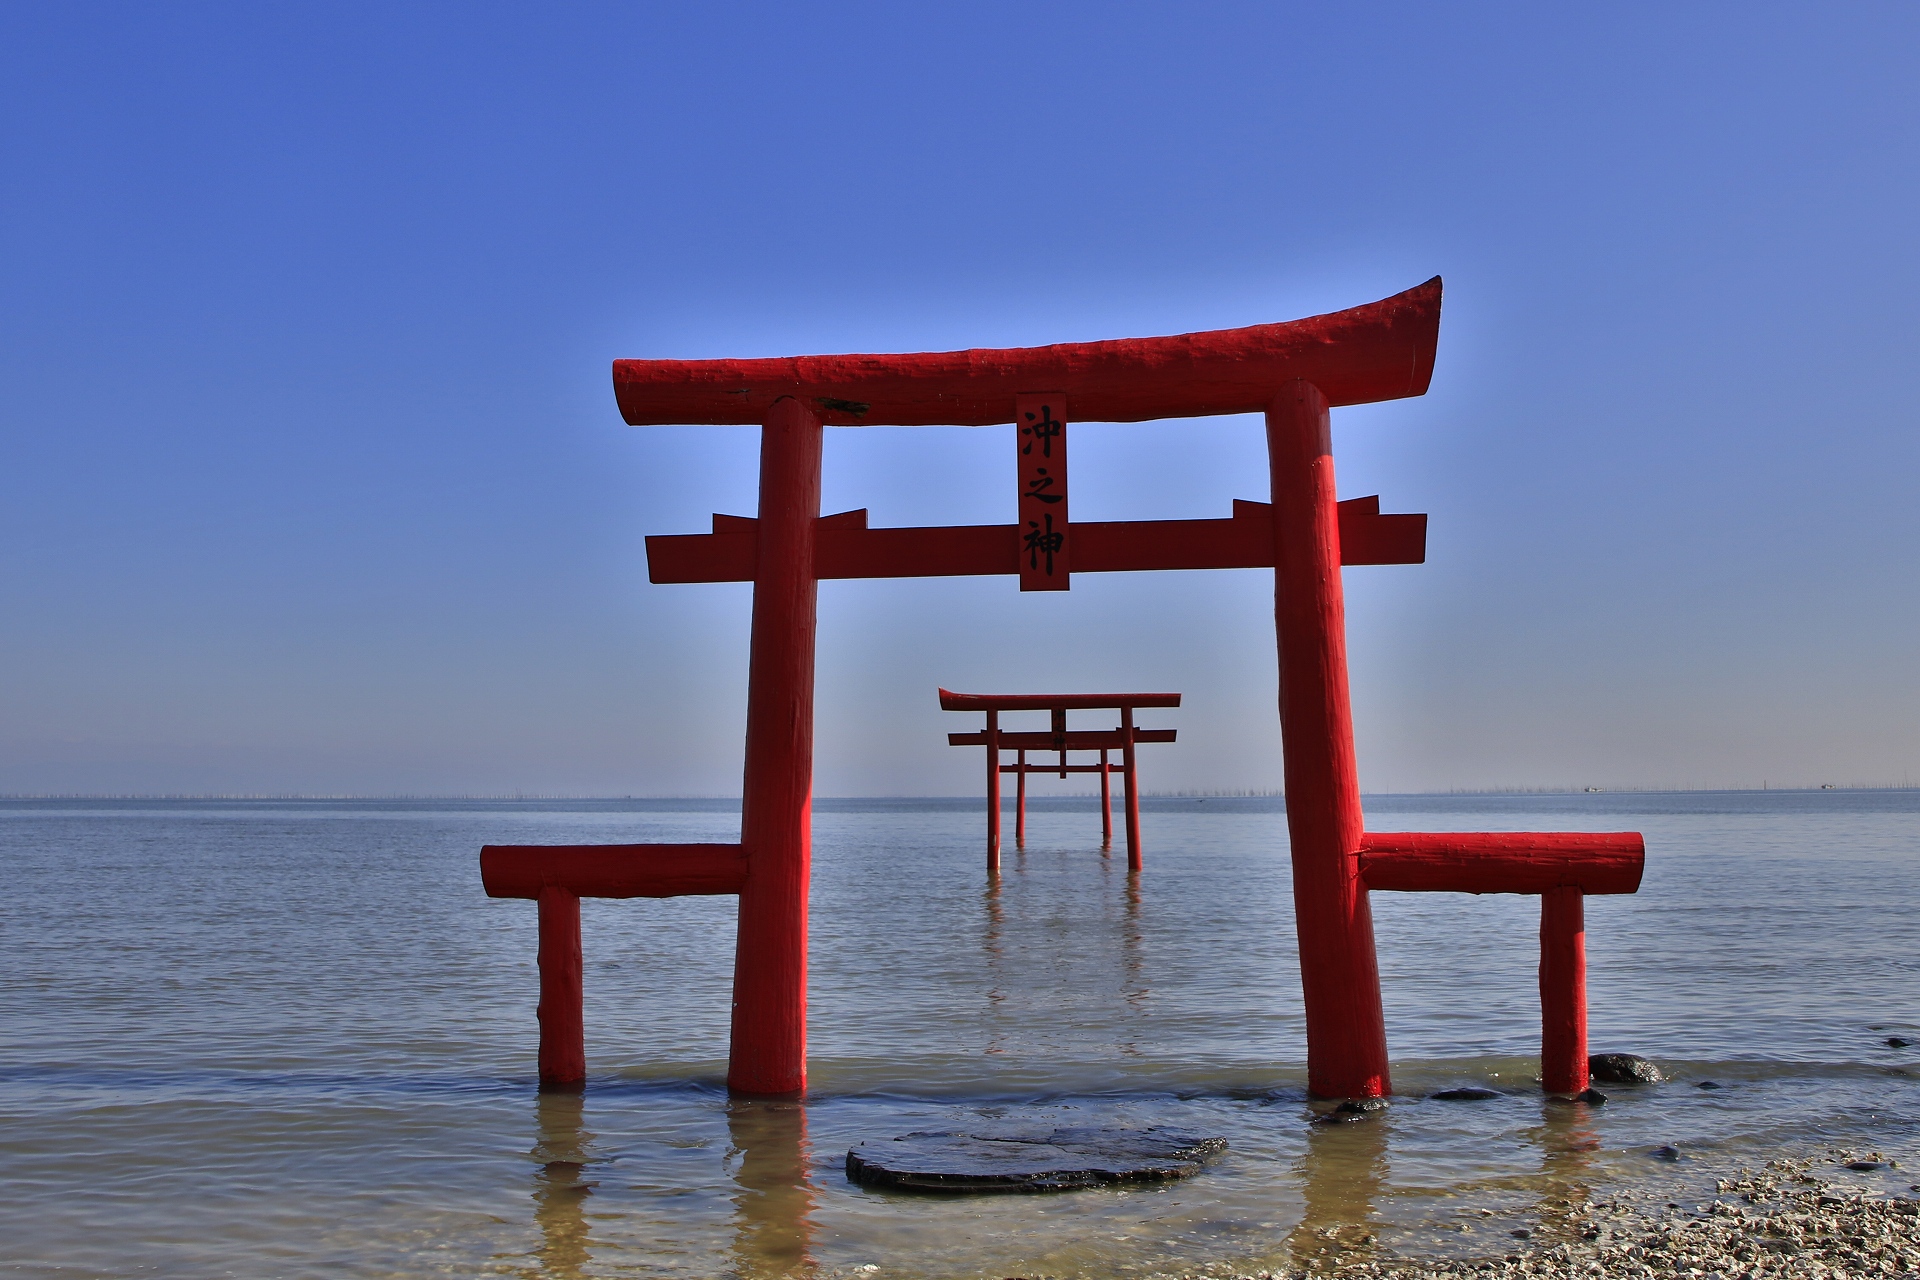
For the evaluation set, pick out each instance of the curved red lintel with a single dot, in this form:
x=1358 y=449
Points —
x=612 y=870
x=1381 y=351
x=1503 y=861
x=951 y=701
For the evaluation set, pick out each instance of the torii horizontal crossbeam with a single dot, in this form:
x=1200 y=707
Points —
x=612 y=870
x=951 y=701
x=1072 y=740
x=1594 y=862
x=844 y=547
x=1381 y=351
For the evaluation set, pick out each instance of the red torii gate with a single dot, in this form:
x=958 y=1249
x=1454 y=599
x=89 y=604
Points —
x=1060 y=739
x=1293 y=372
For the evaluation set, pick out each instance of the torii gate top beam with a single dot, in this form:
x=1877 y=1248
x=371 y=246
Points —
x=951 y=701
x=1381 y=351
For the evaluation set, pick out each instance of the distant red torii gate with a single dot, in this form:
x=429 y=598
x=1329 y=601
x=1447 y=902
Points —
x=1293 y=372
x=1058 y=738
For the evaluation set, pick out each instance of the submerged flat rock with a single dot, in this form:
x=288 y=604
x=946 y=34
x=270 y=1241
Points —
x=1056 y=1160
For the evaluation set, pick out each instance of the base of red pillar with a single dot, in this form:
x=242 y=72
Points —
x=1563 y=991
x=563 y=1037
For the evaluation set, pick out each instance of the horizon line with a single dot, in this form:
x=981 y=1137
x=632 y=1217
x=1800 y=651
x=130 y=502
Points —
x=1221 y=794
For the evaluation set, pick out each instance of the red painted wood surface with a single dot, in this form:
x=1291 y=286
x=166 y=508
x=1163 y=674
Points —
x=1563 y=991
x=1562 y=867
x=612 y=870
x=1368 y=537
x=1106 y=801
x=1020 y=800
x=769 y=1054
x=1040 y=455
x=1047 y=767
x=563 y=1036
x=1059 y=740
x=993 y=791
x=1503 y=861
x=1077 y=740
x=847 y=548
x=1346 y=1031
x=951 y=701
x=1130 y=779
x=1381 y=351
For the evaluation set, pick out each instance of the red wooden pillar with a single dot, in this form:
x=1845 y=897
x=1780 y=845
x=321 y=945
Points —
x=1563 y=991
x=769 y=1054
x=1346 y=1032
x=1020 y=801
x=1106 y=801
x=993 y=791
x=1132 y=779
x=563 y=1037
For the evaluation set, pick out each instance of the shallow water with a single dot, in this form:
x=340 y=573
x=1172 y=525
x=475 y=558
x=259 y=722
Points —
x=294 y=1039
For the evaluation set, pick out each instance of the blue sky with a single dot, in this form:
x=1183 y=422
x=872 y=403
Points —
x=311 y=478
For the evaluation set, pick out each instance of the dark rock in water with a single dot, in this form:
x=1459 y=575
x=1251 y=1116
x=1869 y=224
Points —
x=1623 y=1068
x=1865 y=1166
x=1709 y=1084
x=1471 y=1093
x=1059 y=1160
x=1895 y=1042
x=1665 y=1153
x=1352 y=1111
x=1592 y=1097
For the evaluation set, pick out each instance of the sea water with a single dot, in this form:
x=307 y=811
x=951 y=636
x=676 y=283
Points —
x=290 y=1039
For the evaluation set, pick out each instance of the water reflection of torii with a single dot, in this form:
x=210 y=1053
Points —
x=1291 y=372
x=773 y=1206
x=1344 y=1177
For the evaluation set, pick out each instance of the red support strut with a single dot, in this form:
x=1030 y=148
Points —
x=1106 y=802
x=563 y=1037
x=1131 y=780
x=1346 y=1030
x=1563 y=867
x=1020 y=801
x=993 y=792
x=769 y=1054
x=1563 y=991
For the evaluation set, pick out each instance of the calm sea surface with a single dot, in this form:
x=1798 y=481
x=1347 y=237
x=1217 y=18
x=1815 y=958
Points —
x=294 y=1039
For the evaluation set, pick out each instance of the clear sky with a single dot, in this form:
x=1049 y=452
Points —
x=311 y=478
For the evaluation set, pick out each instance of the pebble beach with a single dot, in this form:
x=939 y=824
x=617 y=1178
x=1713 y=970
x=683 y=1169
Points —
x=1789 y=1218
